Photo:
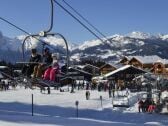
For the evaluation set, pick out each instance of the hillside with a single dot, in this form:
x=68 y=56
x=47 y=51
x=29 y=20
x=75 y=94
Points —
x=135 y=43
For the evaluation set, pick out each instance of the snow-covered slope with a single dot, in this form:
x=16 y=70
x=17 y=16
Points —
x=135 y=43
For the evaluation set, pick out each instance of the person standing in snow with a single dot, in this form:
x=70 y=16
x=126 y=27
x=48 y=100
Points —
x=127 y=92
x=87 y=95
x=140 y=105
x=109 y=91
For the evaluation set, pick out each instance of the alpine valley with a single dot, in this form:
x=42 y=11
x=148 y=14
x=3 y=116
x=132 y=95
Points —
x=113 y=47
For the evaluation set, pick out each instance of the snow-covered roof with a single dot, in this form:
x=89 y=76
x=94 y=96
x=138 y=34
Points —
x=121 y=69
x=117 y=65
x=115 y=71
x=97 y=78
x=127 y=57
x=80 y=70
x=147 y=59
x=3 y=67
x=79 y=66
x=164 y=61
x=92 y=66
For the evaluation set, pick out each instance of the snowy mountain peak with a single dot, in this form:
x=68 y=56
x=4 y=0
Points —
x=164 y=37
x=139 y=35
x=135 y=43
x=117 y=37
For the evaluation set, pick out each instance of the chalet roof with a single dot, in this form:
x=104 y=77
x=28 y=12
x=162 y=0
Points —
x=79 y=66
x=105 y=65
x=82 y=71
x=148 y=59
x=117 y=65
x=97 y=77
x=164 y=61
x=3 y=67
x=92 y=66
x=127 y=69
x=1 y=76
x=127 y=57
x=83 y=66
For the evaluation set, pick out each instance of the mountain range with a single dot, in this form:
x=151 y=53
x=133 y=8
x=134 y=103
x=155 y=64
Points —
x=111 y=49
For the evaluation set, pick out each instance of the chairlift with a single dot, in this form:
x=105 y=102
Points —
x=44 y=34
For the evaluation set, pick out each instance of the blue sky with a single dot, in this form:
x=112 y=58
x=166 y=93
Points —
x=109 y=16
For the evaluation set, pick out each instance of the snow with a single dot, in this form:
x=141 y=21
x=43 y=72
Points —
x=90 y=44
x=75 y=57
x=117 y=37
x=139 y=35
x=164 y=37
x=58 y=109
x=148 y=59
x=108 y=54
x=115 y=71
x=126 y=42
x=10 y=44
x=141 y=43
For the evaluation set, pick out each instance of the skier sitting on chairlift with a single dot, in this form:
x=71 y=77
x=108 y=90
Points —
x=47 y=61
x=29 y=68
x=51 y=72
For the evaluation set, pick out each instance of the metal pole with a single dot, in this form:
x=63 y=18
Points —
x=32 y=106
x=23 y=46
x=77 y=111
x=112 y=102
x=77 y=103
x=101 y=101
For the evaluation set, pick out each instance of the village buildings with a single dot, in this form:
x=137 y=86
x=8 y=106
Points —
x=153 y=63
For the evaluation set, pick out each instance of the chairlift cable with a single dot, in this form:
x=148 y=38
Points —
x=24 y=31
x=86 y=20
x=78 y=20
x=14 y=26
x=109 y=45
x=80 y=15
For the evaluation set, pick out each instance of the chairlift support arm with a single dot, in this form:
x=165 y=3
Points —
x=51 y=18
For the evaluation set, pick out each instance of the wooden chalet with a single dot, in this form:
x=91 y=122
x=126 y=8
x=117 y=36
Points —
x=125 y=60
x=78 y=74
x=144 y=62
x=160 y=68
x=91 y=69
x=151 y=63
x=107 y=68
x=124 y=74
